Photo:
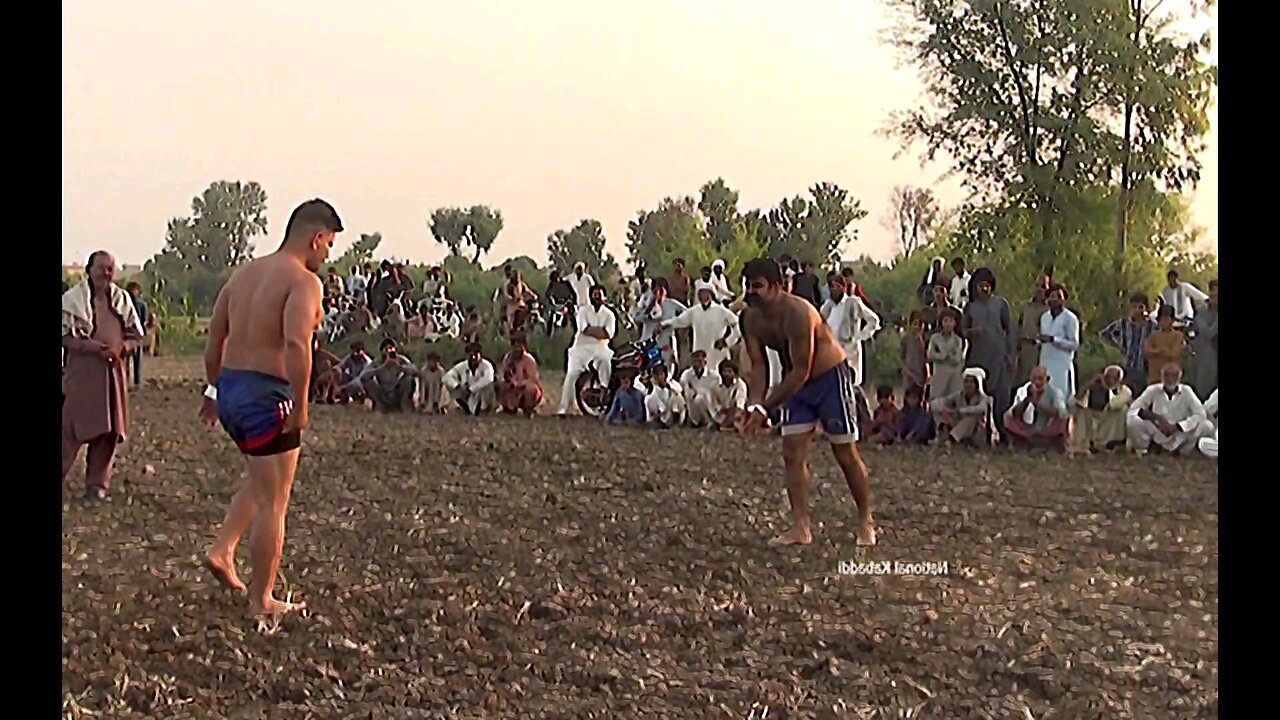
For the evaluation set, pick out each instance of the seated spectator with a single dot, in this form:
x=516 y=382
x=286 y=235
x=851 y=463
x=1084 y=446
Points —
x=390 y=384
x=431 y=397
x=664 y=405
x=1209 y=445
x=966 y=417
x=519 y=388
x=915 y=425
x=347 y=374
x=628 y=402
x=1168 y=413
x=883 y=428
x=698 y=381
x=1102 y=405
x=728 y=398
x=471 y=383
x=1039 y=416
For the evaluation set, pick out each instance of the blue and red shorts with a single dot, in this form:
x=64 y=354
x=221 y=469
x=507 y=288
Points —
x=253 y=407
x=828 y=401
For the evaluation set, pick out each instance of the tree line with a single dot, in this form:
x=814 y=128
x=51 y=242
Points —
x=1075 y=126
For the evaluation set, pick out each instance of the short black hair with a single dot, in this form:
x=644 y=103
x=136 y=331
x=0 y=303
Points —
x=678 y=261
x=762 y=269
x=884 y=391
x=596 y=287
x=957 y=261
x=914 y=316
x=1059 y=288
x=1165 y=311
x=659 y=368
x=474 y=347
x=133 y=285
x=519 y=338
x=727 y=363
x=310 y=216
x=949 y=312
x=386 y=343
x=357 y=345
x=433 y=355
x=661 y=283
x=1139 y=297
x=696 y=353
x=846 y=272
x=831 y=274
x=1172 y=274
x=913 y=391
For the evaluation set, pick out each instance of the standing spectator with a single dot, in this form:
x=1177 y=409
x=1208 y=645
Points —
x=959 y=284
x=912 y=354
x=992 y=340
x=144 y=316
x=357 y=282
x=1166 y=344
x=680 y=283
x=100 y=328
x=805 y=284
x=1029 y=331
x=1205 y=345
x=1059 y=341
x=936 y=275
x=1182 y=297
x=1129 y=336
x=581 y=282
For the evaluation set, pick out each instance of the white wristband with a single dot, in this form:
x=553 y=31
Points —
x=758 y=408
x=211 y=392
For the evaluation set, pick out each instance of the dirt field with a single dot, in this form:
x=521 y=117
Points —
x=548 y=568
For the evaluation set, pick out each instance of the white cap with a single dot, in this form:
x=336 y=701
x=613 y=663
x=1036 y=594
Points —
x=719 y=263
x=700 y=285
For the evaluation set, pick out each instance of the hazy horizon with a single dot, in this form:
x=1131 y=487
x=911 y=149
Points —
x=550 y=113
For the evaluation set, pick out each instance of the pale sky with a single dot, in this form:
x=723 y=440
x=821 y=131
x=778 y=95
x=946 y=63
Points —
x=551 y=111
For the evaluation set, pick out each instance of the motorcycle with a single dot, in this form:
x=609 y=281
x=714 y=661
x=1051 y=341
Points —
x=595 y=396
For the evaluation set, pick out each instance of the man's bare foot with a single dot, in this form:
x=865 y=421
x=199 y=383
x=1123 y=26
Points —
x=224 y=571
x=274 y=609
x=794 y=536
x=866 y=533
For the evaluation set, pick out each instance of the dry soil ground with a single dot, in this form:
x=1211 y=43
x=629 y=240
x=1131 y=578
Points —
x=547 y=568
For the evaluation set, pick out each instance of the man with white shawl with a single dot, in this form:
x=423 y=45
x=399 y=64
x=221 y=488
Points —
x=100 y=328
x=720 y=283
x=1169 y=414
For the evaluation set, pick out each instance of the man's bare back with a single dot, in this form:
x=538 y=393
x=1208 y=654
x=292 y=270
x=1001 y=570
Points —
x=254 y=301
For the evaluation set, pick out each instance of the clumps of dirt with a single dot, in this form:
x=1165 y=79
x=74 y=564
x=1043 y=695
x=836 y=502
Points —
x=509 y=568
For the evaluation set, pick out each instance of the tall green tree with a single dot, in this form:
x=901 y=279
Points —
x=583 y=243
x=719 y=205
x=460 y=228
x=1027 y=98
x=912 y=214
x=814 y=228
x=449 y=228
x=674 y=230
x=360 y=252
x=202 y=249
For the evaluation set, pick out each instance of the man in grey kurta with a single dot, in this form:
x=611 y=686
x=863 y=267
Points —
x=1205 y=345
x=654 y=307
x=993 y=340
x=100 y=329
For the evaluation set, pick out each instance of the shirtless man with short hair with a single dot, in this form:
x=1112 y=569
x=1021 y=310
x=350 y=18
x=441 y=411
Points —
x=817 y=389
x=258 y=361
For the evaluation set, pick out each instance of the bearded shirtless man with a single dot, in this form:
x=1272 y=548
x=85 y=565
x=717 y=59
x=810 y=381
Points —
x=258 y=362
x=817 y=388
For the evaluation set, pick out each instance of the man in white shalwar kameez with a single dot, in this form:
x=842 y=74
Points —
x=1059 y=341
x=664 y=405
x=697 y=381
x=728 y=398
x=852 y=323
x=715 y=327
x=470 y=383
x=1168 y=413
x=581 y=282
x=1209 y=445
x=597 y=325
